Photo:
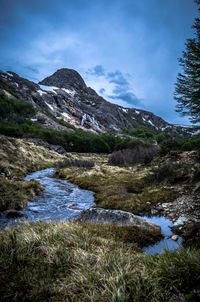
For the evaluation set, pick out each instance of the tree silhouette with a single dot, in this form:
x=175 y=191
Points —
x=187 y=87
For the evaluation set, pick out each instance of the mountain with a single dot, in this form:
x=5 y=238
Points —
x=65 y=96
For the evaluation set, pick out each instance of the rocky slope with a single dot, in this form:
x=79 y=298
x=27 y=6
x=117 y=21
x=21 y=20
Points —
x=65 y=96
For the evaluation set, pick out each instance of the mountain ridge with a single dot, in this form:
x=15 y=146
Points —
x=66 y=96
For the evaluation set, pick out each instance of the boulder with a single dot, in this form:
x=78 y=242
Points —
x=12 y=214
x=115 y=217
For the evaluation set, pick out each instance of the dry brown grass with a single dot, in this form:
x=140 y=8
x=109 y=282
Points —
x=17 y=158
x=20 y=156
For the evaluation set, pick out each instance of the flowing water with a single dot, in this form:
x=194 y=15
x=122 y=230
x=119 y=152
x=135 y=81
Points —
x=167 y=242
x=61 y=201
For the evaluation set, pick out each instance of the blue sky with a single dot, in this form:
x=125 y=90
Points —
x=127 y=50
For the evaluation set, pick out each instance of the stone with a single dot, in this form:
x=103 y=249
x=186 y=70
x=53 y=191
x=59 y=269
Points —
x=115 y=217
x=174 y=237
x=154 y=212
x=165 y=205
x=181 y=220
x=71 y=205
x=12 y=214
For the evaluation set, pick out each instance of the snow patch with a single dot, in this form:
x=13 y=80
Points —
x=150 y=122
x=49 y=88
x=41 y=92
x=34 y=119
x=124 y=109
x=137 y=112
x=69 y=91
x=51 y=107
x=4 y=76
x=65 y=114
x=184 y=126
x=10 y=74
x=16 y=84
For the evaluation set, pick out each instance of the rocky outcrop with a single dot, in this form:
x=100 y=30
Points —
x=65 y=96
x=65 y=78
x=115 y=217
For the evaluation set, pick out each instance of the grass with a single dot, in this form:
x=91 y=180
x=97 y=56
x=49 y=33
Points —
x=16 y=194
x=17 y=158
x=20 y=156
x=69 y=262
x=130 y=235
x=118 y=188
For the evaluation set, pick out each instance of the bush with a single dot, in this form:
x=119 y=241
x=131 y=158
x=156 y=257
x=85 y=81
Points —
x=179 y=144
x=69 y=162
x=173 y=172
x=15 y=110
x=133 y=156
x=165 y=173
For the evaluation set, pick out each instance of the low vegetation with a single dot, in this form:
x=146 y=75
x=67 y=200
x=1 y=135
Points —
x=16 y=194
x=133 y=156
x=179 y=144
x=119 y=188
x=17 y=158
x=21 y=156
x=171 y=173
x=74 y=162
x=71 y=262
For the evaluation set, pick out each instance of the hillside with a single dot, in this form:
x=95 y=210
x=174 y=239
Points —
x=64 y=96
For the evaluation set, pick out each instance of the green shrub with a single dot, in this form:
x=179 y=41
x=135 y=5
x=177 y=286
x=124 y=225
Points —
x=16 y=110
x=173 y=172
x=167 y=173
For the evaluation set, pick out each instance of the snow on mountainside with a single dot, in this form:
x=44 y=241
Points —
x=66 y=96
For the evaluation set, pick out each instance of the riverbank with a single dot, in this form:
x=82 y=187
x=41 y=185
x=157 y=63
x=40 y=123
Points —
x=168 y=187
x=17 y=158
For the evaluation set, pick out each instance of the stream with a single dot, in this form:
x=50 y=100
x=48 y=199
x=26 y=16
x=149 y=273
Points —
x=61 y=201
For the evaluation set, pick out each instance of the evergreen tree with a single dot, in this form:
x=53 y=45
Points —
x=187 y=87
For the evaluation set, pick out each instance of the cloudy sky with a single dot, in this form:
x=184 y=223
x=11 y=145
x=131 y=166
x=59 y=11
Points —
x=127 y=50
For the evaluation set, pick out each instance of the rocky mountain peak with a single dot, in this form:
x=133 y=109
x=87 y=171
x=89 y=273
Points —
x=65 y=78
x=66 y=97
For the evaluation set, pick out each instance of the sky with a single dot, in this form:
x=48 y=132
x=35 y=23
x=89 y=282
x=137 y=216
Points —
x=127 y=50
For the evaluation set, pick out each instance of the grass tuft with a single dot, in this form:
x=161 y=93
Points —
x=70 y=262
